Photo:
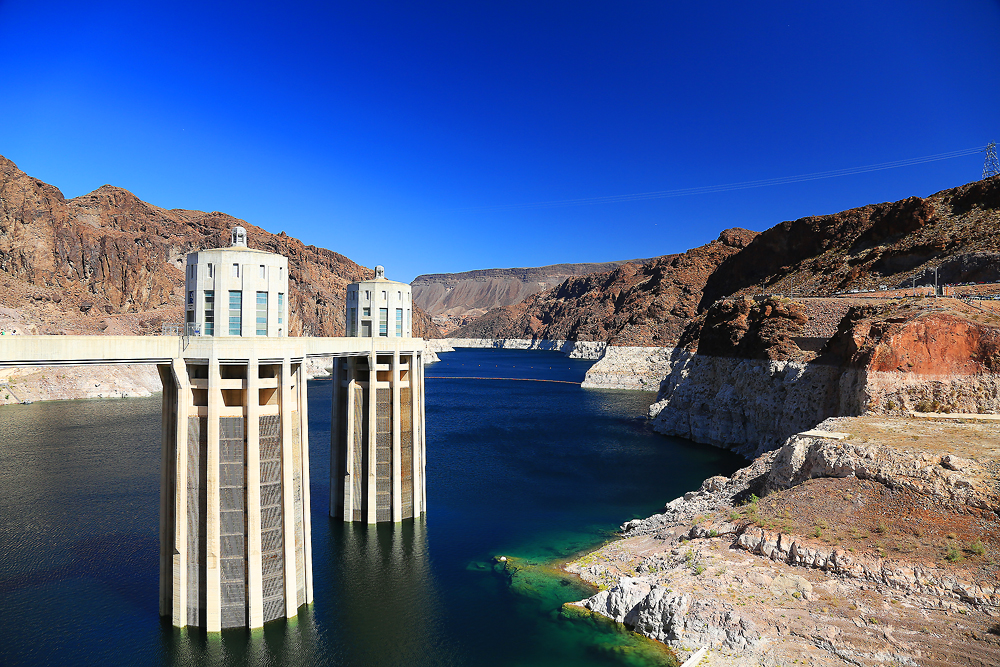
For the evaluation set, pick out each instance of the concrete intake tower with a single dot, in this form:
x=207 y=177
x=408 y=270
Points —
x=235 y=504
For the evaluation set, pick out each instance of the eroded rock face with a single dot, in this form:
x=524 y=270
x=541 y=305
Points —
x=957 y=481
x=637 y=368
x=753 y=330
x=675 y=618
x=750 y=387
x=751 y=405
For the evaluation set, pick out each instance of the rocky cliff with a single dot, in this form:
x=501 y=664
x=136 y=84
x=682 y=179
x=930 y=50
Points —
x=892 y=244
x=750 y=386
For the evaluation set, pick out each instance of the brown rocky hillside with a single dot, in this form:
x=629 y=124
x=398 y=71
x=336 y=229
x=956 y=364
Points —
x=108 y=262
x=631 y=305
x=893 y=244
x=879 y=246
x=454 y=299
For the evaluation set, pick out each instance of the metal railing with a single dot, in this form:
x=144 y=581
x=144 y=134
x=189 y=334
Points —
x=180 y=329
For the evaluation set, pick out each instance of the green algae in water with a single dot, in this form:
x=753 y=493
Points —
x=543 y=591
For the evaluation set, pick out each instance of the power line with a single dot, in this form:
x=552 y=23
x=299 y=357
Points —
x=683 y=192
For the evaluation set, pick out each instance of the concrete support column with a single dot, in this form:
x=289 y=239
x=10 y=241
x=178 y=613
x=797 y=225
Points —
x=179 y=564
x=179 y=557
x=288 y=488
x=397 y=473
x=372 y=435
x=213 y=543
x=167 y=438
x=168 y=442
x=415 y=431
x=336 y=433
x=423 y=438
x=303 y=400
x=350 y=502
x=255 y=576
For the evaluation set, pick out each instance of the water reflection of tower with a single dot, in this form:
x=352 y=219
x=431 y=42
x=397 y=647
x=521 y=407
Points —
x=385 y=592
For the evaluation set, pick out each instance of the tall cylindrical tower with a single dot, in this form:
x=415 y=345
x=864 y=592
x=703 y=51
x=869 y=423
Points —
x=235 y=534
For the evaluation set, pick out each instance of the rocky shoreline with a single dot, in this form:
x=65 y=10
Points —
x=799 y=556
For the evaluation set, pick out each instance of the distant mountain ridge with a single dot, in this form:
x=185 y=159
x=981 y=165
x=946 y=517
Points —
x=454 y=298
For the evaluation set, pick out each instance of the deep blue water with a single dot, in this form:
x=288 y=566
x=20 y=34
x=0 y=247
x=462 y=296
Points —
x=531 y=470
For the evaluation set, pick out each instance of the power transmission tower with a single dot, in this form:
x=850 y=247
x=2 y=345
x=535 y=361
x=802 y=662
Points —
x=991 y=167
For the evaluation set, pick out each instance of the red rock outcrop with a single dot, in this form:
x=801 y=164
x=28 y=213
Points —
x=909 y=339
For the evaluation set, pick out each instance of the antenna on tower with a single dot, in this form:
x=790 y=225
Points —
x=991 y=167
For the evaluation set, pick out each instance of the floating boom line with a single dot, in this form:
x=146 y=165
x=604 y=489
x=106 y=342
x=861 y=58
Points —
x=467 y=377
x=746 y=185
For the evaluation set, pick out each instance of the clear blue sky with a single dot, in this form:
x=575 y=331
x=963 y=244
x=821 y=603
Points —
x=409 y=134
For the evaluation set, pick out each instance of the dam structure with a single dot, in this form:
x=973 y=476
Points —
x=235 y=534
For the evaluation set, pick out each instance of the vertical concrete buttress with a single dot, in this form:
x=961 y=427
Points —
x=378 y=407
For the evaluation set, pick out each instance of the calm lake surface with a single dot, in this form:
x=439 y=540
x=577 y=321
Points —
x=533 y=470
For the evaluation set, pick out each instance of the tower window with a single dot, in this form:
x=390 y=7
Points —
x=399 y=323
x=210 y=272
x=383 y=322
x=352 y=322
x=262 y=313
x=263 y=271
x=209 y=312
x=235 y=312
x=281 y=308
x=236 y=270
